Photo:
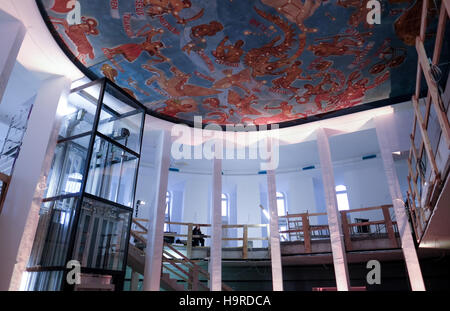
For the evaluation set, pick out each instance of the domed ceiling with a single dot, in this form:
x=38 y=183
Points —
x=244 y=61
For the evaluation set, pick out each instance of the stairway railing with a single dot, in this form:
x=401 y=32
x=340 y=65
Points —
x=176 y=262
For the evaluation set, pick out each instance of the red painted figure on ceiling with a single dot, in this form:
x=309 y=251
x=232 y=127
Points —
x=63 y=6
x=78 y=35
x=132 y=51
x=285 y=115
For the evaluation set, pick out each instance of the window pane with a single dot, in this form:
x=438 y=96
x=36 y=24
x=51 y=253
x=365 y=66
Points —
x=342 y=201
x=43 y=281
x=52 y=236
x=112 y=173
x=67 y=168
x=341 y=188
x=121 y=119
x=224 y=208
x=79 y=111
x=126 y=130
x=281 y=205
x=167 y=203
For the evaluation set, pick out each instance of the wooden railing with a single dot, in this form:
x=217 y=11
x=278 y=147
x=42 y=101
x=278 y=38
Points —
x=4 y=184
x=175 y=261
x=307 y=233
x=385 y=226
x=245 y=238
x=425 y=184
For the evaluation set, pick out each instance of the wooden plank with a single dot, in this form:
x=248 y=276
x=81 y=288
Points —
x=447 y=6
x=245 y=243
x=306 y=234
x=366 y=223
x=366 y=208
x=423 y=20
x=189 y=241
x=141 y=219
x=425 y=138
x=185 y=224
x=432 y=88
x=346 y=231
x=389 y=228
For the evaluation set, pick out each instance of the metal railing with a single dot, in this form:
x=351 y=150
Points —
x=174 y=261
x=307 y=233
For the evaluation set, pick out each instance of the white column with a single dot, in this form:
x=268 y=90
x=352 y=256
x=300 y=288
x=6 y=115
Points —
x=12 y=32
x=275 y=251
x=134 y=281
x=155 y=236
x=409 y=250
x=20 y=215
x=215 y=264
x=334 y=217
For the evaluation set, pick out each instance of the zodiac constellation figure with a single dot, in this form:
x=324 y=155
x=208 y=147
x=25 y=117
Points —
x=391 y=57
x=213 y=103
x=177 y=86
x=323 y=91
x=355 y=90
x=320 y=64
x=296 y=11
x=109 y=72
x=78 y=35
x=231 y=79
x=258 y=59
x=228 y=54
x=198 y=34
x=341 y=44
x=284 y=115
x=359 y=15
x=243 y=104
x=292 y=74
x=63 y=6
x=174 y=106
x=132 y=51
x=156 y=8
x=222 y=117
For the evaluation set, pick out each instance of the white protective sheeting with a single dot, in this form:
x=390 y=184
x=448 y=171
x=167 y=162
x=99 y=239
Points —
x=12 y=32
x=155 y=236
x=334 y=217
x=20 y=215
x=215 y=265
x=409 y=250
x=275 y=251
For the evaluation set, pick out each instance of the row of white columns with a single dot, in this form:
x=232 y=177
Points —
x=153 y=261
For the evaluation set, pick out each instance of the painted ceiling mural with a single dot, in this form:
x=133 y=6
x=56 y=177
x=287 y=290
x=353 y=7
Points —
x=244 y=61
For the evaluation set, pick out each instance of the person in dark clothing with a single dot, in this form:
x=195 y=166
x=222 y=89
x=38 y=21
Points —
x=198 y=237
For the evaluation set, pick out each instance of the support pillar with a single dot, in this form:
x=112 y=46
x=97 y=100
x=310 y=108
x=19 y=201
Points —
x=155 y=236
x=215 y=264
x=334 y=219
x=20 y=215
x=407 y=243
x=274 y=234
x=134 y=281
x=12 y=32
